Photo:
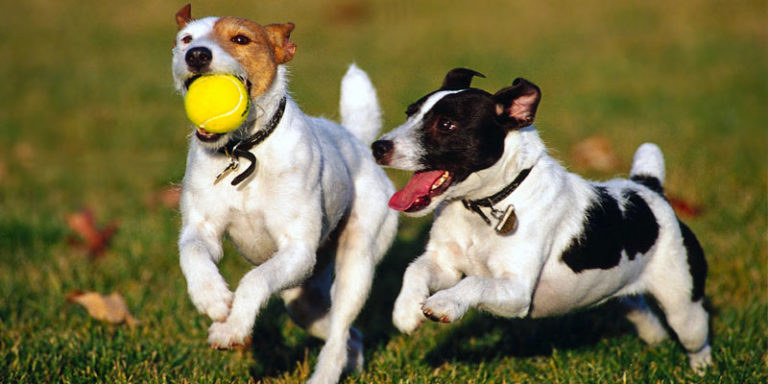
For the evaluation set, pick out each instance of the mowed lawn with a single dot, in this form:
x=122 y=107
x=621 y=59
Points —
x=89 y=120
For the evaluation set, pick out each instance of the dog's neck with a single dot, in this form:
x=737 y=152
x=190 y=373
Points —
x=268 y=116
x=264 y=106
x=522 y=150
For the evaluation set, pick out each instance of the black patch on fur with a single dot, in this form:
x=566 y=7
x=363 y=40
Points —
x=697 y=264
x=640 y=226
x=476 y=140
x=652 y=182
x=607 y=231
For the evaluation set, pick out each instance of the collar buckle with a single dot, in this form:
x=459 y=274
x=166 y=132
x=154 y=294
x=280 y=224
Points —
x=507 y=218
x=234 y=163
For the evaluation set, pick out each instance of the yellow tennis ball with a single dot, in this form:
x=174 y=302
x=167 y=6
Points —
x=217 y=103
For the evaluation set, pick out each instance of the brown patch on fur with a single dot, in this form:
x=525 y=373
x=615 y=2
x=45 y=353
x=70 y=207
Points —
x=184 y=16
x=266 y=49
x=280 y=35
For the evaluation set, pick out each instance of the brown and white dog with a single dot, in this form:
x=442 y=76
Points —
x=310 y=205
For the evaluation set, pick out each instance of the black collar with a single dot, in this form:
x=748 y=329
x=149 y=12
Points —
x=490 y=201
x=240 y=148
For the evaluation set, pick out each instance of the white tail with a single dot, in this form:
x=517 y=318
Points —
x=648 y=161
x=359 y=106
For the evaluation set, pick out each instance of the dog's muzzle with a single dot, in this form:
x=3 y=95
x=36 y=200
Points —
x=382 y=151
x=198 y=59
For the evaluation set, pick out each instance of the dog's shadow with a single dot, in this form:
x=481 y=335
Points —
x=277 y=344
x=482 y=337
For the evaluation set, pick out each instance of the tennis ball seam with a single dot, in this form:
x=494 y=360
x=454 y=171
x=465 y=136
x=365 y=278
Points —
x=239 y=103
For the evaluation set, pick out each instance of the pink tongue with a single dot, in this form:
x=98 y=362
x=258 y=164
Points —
x=419 y=186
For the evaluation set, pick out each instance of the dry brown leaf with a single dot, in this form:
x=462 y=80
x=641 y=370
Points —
x=349 y=12
x=167 y=197
x=111 y=309
x=95 y=240
x=595 y=153
x=685 y=208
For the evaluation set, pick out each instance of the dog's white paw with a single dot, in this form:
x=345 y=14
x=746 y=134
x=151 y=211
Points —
x=441 y=307
x=701 y=360
x=212 y=299
x=228 y=335
x=407 y=314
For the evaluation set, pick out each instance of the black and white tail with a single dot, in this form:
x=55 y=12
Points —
x=648 y=167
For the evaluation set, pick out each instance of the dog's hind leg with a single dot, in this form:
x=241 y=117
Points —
x=690 y=322
x=678 y=286
x=647 y=324
x=359 y=248
x=354 y=273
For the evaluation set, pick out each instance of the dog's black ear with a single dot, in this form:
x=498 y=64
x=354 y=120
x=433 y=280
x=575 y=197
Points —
x=184 y=16
x=516 y=105
x=280 y=37
x=459 y=78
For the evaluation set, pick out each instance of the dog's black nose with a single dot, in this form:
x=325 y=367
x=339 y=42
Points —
x=382 y=150
x=198 y=58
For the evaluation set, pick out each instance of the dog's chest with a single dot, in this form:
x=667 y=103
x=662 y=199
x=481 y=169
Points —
x=239 y=212
x=248 y=231
x=467 y=243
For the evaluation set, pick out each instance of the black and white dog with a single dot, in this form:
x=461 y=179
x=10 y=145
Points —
x=517 y=235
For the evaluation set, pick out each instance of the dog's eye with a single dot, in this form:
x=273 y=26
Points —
x=186 y=39
x=240 y=39
x=444 y=124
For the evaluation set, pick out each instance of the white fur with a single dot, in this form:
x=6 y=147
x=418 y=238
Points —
x=359 y=106
x=467 y=265
x=313 y=177
x=648 y=161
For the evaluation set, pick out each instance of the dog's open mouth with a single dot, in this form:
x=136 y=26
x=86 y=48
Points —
x=192 y=79
x=206 y=136
x=420 y=190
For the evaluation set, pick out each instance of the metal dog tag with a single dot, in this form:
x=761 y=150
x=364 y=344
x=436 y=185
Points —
x=233 y=164
x=507 y=221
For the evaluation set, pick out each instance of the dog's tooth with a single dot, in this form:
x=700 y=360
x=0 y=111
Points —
x=440 y=181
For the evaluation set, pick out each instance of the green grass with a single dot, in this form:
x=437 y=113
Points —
x=88 y=118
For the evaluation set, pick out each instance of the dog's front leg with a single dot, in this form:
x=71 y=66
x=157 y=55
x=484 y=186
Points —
x=423 y=276
x=506 y=297
x=507 y=292
x=292 y=263
x=200 y=250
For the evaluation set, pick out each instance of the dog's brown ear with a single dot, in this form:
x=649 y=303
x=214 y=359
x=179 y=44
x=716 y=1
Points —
x=516 y=105
x=459 y=78
x=184 y=16
x=280 y=37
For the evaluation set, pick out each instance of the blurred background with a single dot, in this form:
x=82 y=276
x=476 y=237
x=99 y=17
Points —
x=93 y=143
